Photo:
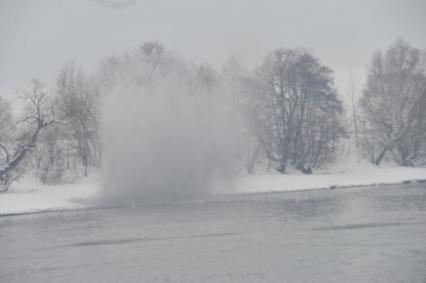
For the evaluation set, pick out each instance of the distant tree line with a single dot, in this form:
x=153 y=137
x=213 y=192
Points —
x=287 y=112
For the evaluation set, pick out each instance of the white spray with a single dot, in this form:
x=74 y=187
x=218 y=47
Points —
x=167 y=137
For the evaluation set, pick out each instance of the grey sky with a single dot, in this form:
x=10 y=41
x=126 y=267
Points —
x=37 y=37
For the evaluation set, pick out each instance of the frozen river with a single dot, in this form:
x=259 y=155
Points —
x=351 y=235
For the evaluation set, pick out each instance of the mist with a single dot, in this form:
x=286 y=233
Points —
x=167 y=136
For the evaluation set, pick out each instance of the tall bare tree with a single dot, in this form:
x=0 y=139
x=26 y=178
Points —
x=297 y=110
x=78 y=103
x=6 y=130
x=394 y=103
x=38 y=115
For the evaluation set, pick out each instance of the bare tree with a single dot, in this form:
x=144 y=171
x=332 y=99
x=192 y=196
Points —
x=38 y=115
x=394 y=103
x=51 y=156
x=238 y=86
x=78 y=103
x=354 y=114
x=298 y=114
x=6 y=130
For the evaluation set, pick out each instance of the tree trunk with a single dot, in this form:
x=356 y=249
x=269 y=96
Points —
x=5 y=177
x=381 y=156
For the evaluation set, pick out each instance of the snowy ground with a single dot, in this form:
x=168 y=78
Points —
x=344 y=175
x=29 y=196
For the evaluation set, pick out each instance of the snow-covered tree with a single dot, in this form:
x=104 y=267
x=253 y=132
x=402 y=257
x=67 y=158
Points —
x=394 y=105
x=37 y=116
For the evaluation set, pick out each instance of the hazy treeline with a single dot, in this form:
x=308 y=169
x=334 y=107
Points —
x=284 y=113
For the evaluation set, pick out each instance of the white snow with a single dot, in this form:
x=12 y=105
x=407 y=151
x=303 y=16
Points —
x=344 y=175
x=28 y=195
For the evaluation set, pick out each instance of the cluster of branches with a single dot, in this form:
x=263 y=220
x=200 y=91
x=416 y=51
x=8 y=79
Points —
x=394 y=106
x=56 y=134
x=16 y=145
x=294 y=110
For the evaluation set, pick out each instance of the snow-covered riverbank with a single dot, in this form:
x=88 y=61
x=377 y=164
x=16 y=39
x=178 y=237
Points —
x=366 y=175
x=29 y=196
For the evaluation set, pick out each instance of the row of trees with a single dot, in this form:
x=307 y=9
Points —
x=286 y=112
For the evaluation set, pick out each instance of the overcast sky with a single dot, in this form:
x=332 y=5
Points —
x=37 y=37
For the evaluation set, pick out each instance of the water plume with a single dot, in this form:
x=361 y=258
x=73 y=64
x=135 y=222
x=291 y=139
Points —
x=167 y=136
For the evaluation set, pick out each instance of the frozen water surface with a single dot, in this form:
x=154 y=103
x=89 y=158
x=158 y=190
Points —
x=351 y=235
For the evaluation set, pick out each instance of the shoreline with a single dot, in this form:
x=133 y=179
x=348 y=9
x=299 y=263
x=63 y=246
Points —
x=78 y=206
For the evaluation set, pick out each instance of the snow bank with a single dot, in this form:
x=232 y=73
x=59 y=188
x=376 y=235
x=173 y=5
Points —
x=347 y=175
x=29 y=196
